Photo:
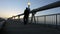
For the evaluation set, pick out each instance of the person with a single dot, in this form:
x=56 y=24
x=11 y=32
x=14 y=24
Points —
x=26 y=15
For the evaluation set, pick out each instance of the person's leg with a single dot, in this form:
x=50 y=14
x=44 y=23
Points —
x=24 y=19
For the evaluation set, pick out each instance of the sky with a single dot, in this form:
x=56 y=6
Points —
x=10 y=8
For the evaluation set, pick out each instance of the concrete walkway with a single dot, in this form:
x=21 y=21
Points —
x=19 y=28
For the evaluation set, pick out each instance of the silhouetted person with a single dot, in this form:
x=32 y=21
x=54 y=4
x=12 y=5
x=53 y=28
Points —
x=26 y=15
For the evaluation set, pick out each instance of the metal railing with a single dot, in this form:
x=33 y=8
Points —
x=52 y=19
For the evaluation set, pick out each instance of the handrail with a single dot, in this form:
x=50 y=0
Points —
x=49 y=15
x=49 y=6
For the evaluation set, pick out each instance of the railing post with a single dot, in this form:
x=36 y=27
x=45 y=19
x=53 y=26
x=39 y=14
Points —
x=33 y=16
x=37 y=19
x=44 y=20
x=14 y=17
x=56 y=21
x=18 y=17
x=34 y=19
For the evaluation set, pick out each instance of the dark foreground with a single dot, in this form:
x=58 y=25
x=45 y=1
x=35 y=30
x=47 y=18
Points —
x=13 y=27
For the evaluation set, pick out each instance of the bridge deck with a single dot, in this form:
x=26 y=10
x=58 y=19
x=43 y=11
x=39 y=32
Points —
x=13 y=27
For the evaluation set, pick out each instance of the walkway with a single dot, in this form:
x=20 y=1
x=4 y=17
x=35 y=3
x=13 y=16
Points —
x=13 y=27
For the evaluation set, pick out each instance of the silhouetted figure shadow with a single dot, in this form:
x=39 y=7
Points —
x=26 y=15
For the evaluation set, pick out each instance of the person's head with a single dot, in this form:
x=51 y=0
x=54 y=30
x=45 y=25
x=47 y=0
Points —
x=27 y=8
